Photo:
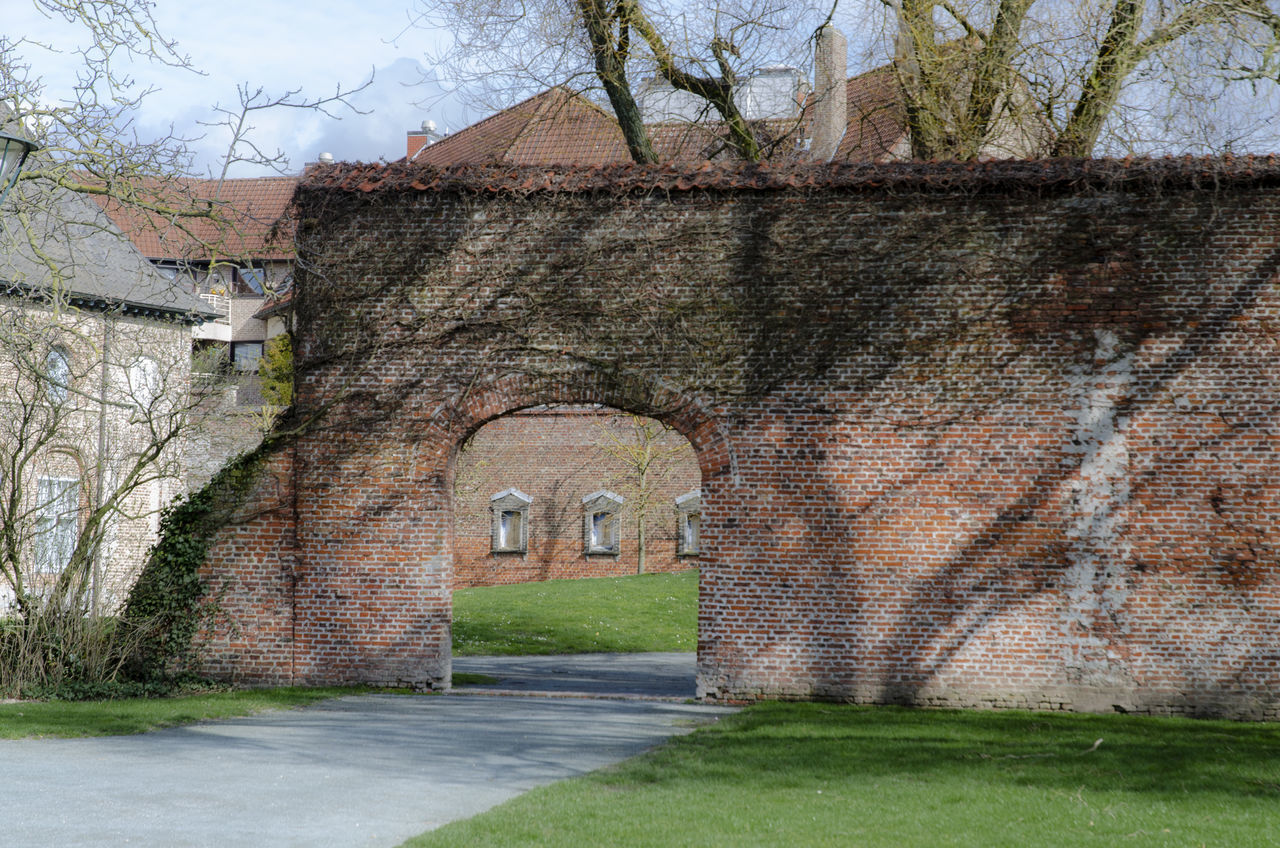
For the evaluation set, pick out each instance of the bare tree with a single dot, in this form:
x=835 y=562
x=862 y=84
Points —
x=1065 y=78
x=1107 y=73
x=511 y=49
x=649 y=454
x=95 y=344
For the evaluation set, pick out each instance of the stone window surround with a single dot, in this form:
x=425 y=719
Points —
x=689 y=524
x=511 y=505
x=602 y=523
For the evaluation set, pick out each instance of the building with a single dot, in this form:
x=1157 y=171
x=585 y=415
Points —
x=235 y=259
x=561 y=492
x=836 y=118
x=857 y=118
x=95 y=358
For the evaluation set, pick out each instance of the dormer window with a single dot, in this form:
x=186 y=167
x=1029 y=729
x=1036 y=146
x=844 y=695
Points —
x=602 y=523
x=253 y=279
x=689 y=523
x=509 y=528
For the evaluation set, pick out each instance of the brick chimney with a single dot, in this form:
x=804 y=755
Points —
x=418 y=139
x=830 y=109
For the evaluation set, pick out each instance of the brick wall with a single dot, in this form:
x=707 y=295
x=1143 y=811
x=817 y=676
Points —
x=557 y=457
x=986 y=435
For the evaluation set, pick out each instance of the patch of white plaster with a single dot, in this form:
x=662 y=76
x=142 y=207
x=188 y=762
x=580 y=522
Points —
x=1097 y=512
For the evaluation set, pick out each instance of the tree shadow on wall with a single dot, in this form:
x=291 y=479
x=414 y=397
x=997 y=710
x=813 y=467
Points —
x=1028 y=552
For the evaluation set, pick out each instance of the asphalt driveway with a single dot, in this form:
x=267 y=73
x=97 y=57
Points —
x=359 y=771
x=636 y=675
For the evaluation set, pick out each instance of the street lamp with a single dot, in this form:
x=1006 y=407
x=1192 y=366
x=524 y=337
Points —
x=14 y=151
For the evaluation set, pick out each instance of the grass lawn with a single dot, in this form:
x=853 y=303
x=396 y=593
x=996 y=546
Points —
x=821 y=774
x=647 y=612
x=138 y=715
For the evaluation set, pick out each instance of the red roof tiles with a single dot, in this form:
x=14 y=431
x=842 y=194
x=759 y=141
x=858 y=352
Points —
x=242 y=223
x=558 y=127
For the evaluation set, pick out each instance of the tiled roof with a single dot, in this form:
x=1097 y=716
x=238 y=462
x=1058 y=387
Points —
x=558 y=127
x=877 y=117
x=65 y=242
x=247 y=212
x=1038 y=175
x=555 y=127
x=277 y=303
x=550 y=128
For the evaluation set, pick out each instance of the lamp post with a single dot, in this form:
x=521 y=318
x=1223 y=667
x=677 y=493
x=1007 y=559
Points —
x=14 y=151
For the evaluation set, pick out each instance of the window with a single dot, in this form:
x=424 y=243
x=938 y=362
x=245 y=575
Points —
x=602 y=522
x=57 y=517
x=254 y=279
x=57 y=374
x=509 y=528
x=689 y=523
x=144 y=382
x=246 y=355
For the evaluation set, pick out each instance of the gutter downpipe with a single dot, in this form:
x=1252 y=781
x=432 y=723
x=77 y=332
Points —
x=95 y=574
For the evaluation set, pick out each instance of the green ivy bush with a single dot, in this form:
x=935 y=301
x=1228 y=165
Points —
x=170 y=602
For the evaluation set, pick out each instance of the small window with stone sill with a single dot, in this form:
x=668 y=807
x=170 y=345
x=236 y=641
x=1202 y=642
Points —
x=689 y=524
x=509 y=528
x=602 y=523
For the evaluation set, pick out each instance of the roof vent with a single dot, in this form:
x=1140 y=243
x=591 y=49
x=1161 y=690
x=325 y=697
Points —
x=325 y=158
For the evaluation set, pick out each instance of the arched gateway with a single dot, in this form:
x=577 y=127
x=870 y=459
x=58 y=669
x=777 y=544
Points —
x=1002 y=434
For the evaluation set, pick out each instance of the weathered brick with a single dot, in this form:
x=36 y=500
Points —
x=986 y=441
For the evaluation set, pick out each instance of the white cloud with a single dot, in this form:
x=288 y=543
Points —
x=281 y=47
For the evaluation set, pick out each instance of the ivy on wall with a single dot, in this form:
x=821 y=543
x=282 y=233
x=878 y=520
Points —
x=170 y=601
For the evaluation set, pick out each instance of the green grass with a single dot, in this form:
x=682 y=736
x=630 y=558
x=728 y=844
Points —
x=829 y=775
x=649 y=612
x=138 y=715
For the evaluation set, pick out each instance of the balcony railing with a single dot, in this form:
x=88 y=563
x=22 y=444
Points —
x=221 y=303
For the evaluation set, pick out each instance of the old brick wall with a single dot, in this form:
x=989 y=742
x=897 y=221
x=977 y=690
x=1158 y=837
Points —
x=557 y=456
x=997 y=434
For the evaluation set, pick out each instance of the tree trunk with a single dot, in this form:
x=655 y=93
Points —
x=1117 y=56
x=611 y=69
x=640 y=544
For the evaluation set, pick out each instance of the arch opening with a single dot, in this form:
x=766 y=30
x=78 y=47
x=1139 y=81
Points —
x=575 y=531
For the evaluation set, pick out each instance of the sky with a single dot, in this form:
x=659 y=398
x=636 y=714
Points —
x=321 y=45
x=279 y=45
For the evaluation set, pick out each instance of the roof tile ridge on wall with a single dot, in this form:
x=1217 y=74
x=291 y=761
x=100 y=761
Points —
x=1038 y=175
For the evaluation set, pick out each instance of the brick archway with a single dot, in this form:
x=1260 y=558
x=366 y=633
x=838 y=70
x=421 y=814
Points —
x=996 y=434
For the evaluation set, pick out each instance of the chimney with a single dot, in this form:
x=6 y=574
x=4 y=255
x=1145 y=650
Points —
x=830 y=110
x=418 y=139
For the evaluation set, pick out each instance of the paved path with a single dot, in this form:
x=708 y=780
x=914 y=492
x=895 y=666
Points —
x=359 y=771
x=645 y=675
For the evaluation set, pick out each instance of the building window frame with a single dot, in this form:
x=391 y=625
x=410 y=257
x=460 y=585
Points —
x=509 y=522
x=689 y=524
x=57 y=374
x=57 y=522
x=602 y=523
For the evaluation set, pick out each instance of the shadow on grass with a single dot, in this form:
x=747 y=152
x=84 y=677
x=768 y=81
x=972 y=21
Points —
x=1156 y=756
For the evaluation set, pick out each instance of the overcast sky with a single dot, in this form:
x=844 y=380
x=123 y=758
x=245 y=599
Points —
x=279 y=45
